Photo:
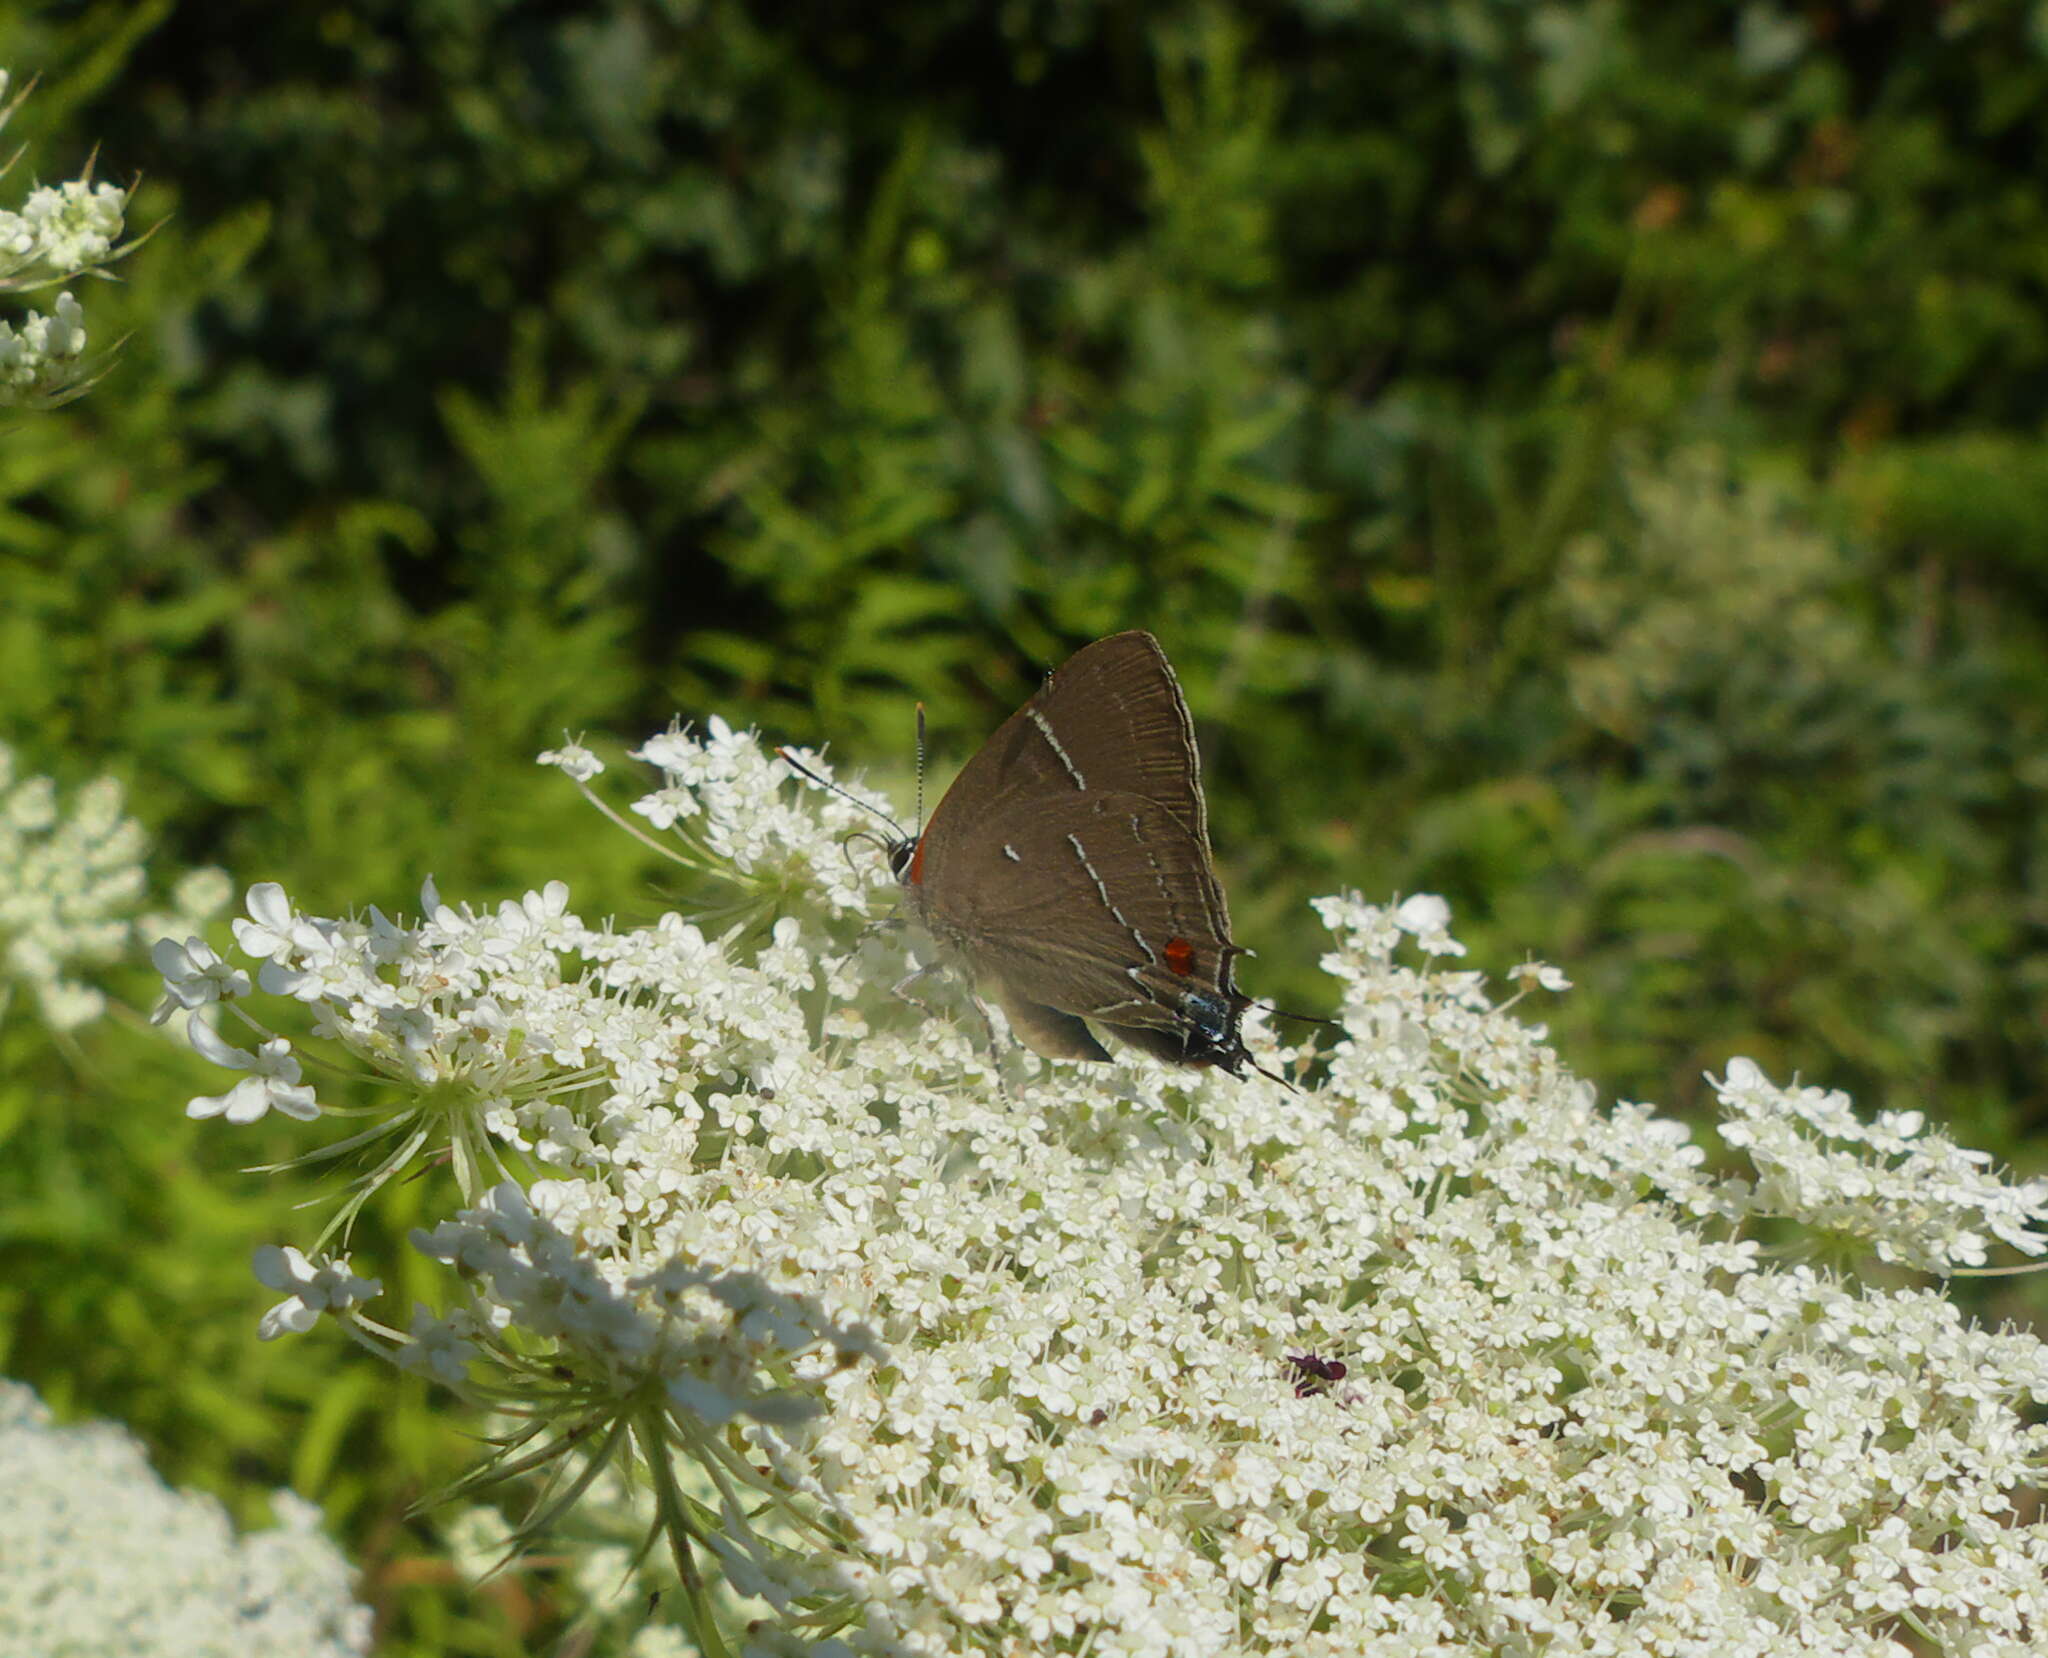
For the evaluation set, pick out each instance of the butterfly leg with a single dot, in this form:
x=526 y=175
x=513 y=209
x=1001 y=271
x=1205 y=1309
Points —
x=996 y=1046
x=901 y=989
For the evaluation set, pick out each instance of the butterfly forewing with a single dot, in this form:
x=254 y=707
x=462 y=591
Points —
x=1118 y=713
x=1111 y=718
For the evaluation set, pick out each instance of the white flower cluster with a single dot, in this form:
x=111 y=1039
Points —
x=315 y=1287
x=1435 y=1356
x=72 y=892
x=99 y=1556
x=708 y=1334
x=40 y=358
x=62 y=231
x=722 y=804
x=1891 y=1185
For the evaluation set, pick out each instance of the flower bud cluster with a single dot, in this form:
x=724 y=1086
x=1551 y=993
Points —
x=40 y=357
x=60 y=232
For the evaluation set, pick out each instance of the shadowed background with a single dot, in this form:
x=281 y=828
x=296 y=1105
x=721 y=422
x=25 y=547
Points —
x=1583 y=459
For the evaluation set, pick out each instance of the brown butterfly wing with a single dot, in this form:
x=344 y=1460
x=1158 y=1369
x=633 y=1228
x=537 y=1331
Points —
x=1118 y=713
x=1101 y=906
x=1111 y=717
x=1046 y=1030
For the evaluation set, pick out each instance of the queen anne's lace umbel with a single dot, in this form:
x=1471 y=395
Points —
x=1438 y=1355
x=99 y=1557
x=75 y=894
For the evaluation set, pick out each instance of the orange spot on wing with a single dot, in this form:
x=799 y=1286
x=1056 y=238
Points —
x=1180 y=956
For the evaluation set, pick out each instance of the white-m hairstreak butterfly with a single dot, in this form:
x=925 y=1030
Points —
x=1067 y=870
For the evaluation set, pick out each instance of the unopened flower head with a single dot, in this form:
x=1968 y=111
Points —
x=1019 y=1368
x=40 y=356
x=61 y=232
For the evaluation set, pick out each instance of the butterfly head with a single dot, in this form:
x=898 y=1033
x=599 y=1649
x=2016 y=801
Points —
x=906 y=859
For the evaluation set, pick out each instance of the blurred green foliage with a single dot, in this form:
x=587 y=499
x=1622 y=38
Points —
x=1584 y=458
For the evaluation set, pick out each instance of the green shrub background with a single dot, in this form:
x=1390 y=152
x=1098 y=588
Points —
x=1583 y=458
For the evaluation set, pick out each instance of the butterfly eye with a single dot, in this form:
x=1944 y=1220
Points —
x=900 y=854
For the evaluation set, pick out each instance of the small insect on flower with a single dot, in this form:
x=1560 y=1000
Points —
x=1314 y=1374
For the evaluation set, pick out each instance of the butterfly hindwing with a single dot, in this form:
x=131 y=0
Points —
x=1101 y=906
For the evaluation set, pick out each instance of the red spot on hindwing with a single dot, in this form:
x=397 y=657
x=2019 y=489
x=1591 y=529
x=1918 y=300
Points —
x=1180 y=956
